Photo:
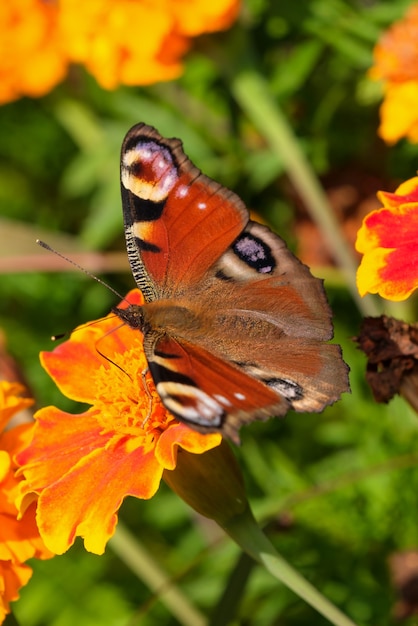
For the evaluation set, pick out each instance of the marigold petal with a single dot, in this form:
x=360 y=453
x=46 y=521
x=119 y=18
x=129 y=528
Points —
x=32 y=60
x=11 y=442
x=12 y=577
x=5 y=464
x=11 y=401
x=368 y=276
x=399 y=112
x=389 y=228
x=49 y=457
x=75 y=384
x=396 y=54
x=19 y=538
x=180 y=435
x=85 y=502
x=82 y=478
x=73 y=363
x=194 y=18
x=406 y=192
x=100 y=35
x=388 y=239
x=104 y=40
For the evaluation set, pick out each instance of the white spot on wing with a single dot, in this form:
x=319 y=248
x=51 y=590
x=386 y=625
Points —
x=182 y=191
x=201 y=205
x=239 y=396
x=222 y=399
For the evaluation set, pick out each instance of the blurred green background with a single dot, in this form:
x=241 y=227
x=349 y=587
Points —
x=338 y=492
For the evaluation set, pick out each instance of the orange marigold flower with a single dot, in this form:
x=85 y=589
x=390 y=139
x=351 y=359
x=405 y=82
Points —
x=194 y=18
x=32 y=60
x=388 y=240
x=82 y=466
x=19 y=539
x=129 y=42
x=135 y=42
x=396 y=63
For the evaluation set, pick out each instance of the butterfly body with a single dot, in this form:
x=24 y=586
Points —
x=234 y=325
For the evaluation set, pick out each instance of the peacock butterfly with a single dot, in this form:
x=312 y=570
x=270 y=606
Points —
x=235 y=326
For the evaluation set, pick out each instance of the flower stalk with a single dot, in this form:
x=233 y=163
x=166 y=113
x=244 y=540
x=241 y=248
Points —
x=212 y=484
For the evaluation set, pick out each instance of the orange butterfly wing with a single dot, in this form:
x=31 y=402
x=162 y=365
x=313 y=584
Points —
x=207 y=392
x=177 y=221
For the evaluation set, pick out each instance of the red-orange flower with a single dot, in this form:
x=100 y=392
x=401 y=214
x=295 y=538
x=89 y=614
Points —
x=82 y=466
x=19 y=539
x=388 y=239
x=396 y=63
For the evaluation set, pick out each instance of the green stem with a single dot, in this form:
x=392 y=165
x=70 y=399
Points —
x=253 y=95
x=134 y=556
x=245 y=531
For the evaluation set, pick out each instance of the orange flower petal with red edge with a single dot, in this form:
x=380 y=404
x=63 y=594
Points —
x=388 y=239
x=406 y=193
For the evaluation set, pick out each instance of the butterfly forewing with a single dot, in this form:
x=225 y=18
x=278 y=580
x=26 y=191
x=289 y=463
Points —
x=177 y=221
x=207 y=392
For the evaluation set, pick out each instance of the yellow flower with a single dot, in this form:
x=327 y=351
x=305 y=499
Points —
x=19 y=539
x=396 y=63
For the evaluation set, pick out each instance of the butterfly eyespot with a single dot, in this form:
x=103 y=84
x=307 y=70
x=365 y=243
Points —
x=288 y=388
x=255 y=253
x=190 y=403
x=148 y=171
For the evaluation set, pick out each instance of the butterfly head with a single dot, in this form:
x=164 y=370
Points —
x=133 y=316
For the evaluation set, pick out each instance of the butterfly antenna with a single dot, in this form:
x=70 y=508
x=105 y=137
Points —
x=82 y=327
x=81 y=268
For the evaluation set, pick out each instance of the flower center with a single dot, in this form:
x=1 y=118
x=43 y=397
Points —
x=127 y=401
